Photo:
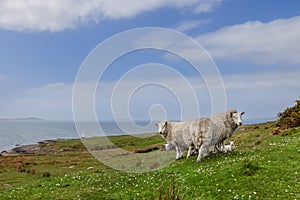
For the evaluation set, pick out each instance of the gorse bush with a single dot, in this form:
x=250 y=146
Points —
x=290 y=117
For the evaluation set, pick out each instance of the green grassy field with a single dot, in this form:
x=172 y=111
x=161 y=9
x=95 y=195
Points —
x=261 y=167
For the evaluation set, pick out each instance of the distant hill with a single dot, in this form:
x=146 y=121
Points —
x=22 y=119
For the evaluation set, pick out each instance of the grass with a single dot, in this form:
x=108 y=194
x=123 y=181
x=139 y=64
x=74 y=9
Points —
x=261 y=167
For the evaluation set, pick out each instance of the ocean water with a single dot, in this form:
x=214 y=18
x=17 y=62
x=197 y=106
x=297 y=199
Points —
x=22 y=133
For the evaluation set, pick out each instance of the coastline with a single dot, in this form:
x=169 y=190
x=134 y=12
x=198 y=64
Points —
x=52 y=146
x=31 y=148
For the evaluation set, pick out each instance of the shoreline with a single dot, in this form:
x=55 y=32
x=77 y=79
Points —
x=39 y=147
x=30 y=149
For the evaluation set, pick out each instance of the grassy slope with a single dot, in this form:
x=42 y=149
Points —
x=262 y=167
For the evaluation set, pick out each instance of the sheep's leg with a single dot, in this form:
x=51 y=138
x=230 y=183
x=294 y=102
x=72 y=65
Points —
x=224 y=148
x=204 y=147
x=177 y=152
x=216 y=149
x=189 y=152
x=180 y=152
x=220 y=146
x=202 y=153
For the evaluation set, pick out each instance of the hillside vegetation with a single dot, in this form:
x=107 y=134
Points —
x=261 y=167
x=290 y=117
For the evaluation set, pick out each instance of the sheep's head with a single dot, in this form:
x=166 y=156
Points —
x=162 y=128
x=236 y=117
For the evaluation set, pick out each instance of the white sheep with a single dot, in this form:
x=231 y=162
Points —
x=218 y=128
x=180 y=135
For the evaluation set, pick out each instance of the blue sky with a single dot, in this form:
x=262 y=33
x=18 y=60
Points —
x=255 y=45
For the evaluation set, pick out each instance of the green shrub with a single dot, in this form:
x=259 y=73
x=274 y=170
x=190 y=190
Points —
x=290 y=117
x=289 y=132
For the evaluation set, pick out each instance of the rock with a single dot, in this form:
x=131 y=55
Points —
x=25 y=149
x=8 y=153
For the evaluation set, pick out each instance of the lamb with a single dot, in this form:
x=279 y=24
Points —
x=180 y=135
x=229 y=147
x=219 y=128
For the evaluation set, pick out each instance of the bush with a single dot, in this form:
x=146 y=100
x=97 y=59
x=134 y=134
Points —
x=289 y=132
x=290 y=117
x=20 y=167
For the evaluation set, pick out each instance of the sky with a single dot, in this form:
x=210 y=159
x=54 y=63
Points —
x=253 y=44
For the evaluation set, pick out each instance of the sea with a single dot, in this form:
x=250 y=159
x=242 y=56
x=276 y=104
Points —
x=17 y=133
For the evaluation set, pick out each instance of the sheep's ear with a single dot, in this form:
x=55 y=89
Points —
x=232 y=111
x=242 y=113
x=229 y=114
x=156 y=124
x=166 y=123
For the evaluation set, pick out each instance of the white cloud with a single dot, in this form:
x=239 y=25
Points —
x=53 y=101
x=55 y=15
x=272 y=42
x=191 y=24
x=260 y=95
x=207 y=6
x=168 y=40
x=274 y=80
